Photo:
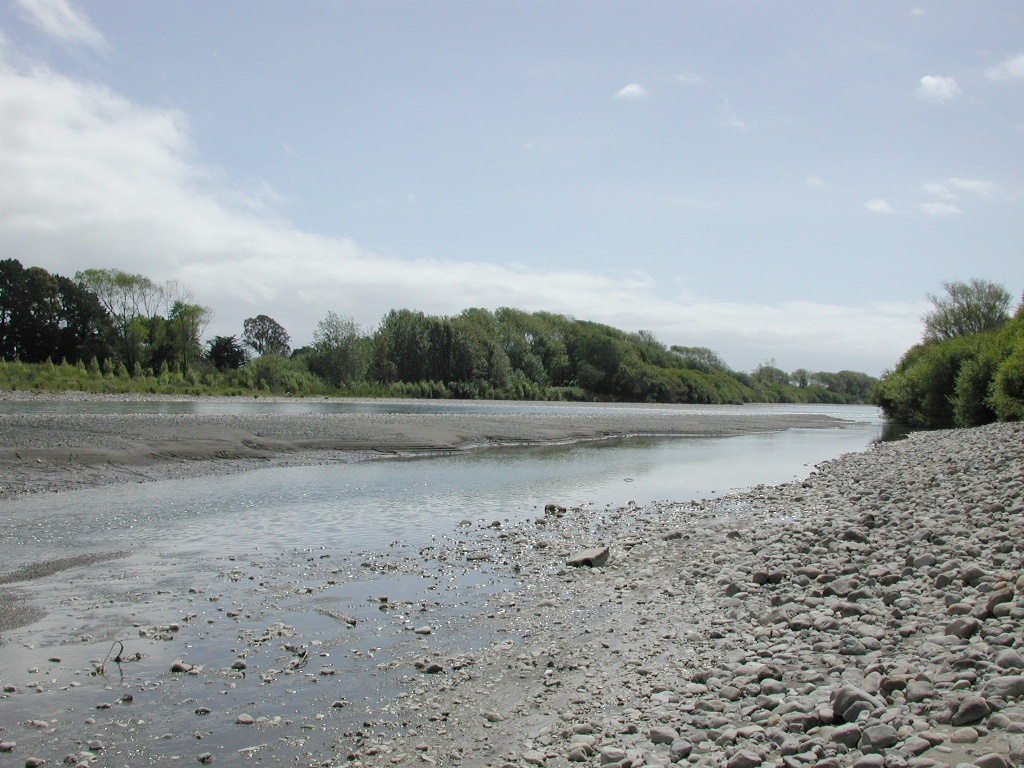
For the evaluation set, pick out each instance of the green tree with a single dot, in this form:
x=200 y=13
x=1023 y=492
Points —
x=185 y=325
x=130 y=300
x=967 y=308
x=226 y=353
x=337 y=355
x=265 y=336
x=46 y=316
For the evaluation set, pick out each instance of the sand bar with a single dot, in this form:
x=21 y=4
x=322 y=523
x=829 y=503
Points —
x=64 y=451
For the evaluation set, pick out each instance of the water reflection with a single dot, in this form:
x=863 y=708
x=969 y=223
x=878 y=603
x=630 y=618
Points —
x=368 y=505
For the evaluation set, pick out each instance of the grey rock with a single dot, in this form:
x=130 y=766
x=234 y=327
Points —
x=847 y=734
x=680 y=749
x=964 y=627
x=590 y=558
x=998 y=596
x=1015 y=744
x=1005 y=687
x=876 y=738
x=991 y=760
x=971 y=710
x=870 y=761
x=1010 y=659
x=919 y=690
x=915 y=746
x=744 y=758
x=663 y=735
x=612 y=755
x=849 y=702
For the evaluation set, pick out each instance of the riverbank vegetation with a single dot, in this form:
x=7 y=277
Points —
x=109 y=331
x=969 y=368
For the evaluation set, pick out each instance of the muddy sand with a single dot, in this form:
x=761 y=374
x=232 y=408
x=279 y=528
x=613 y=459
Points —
x=867 y=616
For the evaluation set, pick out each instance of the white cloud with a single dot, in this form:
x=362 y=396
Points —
x=631 y=91
x=60 y=20
x=939 y=209
x=938 y=90
x=878 y=205
x=948 y=190
x=690 y=78
x=1011 y=69
x=817 y=182
x=976 y=186
x=89 y=179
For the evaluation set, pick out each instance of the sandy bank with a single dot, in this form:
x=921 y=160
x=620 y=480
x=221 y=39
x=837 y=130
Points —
x=53 y=452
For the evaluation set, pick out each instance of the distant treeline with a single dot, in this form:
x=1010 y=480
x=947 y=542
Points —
x=106 y=330
x=968 y=370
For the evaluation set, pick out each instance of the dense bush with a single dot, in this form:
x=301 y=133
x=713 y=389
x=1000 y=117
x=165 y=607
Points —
x=962 y=381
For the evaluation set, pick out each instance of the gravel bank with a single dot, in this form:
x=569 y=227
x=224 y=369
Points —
x=869 y=616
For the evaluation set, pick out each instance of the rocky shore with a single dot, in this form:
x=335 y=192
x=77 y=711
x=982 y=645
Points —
x=870 y=616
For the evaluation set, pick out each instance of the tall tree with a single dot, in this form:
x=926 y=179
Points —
x=966 y=309
x=130 y=301
x=337 y=352
x=265 y=336
x=185 y=324
x=45 y=316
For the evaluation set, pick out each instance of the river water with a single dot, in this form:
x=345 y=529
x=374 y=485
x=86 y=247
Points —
x=248 y=564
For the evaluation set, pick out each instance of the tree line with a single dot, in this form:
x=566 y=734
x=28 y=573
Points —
x=132 y=333
x=968 y=369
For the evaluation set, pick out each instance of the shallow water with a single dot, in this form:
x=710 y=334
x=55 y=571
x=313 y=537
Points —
x=367 y=505
x=234 y=559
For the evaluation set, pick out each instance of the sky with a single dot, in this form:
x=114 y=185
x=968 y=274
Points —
x=782 y=181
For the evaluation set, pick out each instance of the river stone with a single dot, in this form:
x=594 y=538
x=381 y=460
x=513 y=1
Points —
x=612 y=755
x=991 y=760
x=964 y=736
x=999 y=596
x=971 y=710
x=876 y=738
x=244 y=719
x=847 y=734
x=915 y=746
x=849 y=701
x=919 y=690
x=1008 y=686
x=1010 y=659
x=870 y=761
x=590 y=558
x=964 y=627
x=680 y=749
x=663 y=735
x=744 y=758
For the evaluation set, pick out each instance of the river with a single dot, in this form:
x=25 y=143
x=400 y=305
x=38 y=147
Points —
x=343 y=561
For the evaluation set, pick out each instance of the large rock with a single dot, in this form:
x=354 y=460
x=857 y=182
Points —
x=591 y=558
x=1008 y=686
x=849 y=701
x=971 y=710
x=877 y=738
